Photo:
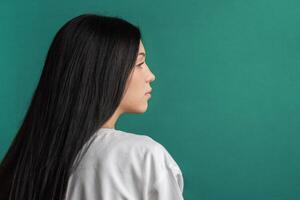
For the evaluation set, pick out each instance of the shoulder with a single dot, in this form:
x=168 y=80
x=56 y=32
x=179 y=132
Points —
x=137 y=143
x=127 y=165
x=154 y=163
x=142 y=150
x=127 y=148
x=123 y=141
x=107 y=144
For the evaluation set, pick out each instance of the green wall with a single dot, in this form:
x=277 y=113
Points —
x=226 y=99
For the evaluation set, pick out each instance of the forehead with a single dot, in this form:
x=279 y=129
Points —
x=141 y=48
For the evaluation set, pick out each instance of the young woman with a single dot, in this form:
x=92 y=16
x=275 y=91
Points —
x=67 y=146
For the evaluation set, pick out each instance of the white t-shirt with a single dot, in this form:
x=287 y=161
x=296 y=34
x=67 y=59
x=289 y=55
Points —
x=124 y=166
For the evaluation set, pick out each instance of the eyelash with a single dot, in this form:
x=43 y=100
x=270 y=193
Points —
x=139 y=65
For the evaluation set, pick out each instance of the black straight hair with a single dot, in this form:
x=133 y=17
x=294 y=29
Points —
x=88 y=64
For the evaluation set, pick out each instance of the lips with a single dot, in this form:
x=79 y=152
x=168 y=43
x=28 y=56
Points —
x=149 y=92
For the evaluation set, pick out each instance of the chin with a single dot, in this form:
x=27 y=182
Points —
x=139 y=110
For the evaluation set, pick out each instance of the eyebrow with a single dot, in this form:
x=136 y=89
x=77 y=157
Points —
x=142 y=53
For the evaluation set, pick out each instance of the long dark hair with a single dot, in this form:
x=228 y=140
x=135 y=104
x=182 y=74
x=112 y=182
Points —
x=88 y=64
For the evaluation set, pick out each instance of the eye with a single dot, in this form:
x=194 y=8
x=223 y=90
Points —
x=139 y=65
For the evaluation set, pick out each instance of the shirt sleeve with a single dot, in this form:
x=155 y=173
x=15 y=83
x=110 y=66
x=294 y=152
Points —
x=166 y=179
x=168 y=187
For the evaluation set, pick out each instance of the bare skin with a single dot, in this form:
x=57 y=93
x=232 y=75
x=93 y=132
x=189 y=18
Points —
x=135 y=99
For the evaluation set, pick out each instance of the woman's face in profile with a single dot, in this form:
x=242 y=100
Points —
x=135 y=99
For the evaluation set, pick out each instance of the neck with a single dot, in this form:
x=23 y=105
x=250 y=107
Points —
x=110 y=123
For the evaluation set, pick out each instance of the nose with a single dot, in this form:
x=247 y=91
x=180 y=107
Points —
x=151 y=77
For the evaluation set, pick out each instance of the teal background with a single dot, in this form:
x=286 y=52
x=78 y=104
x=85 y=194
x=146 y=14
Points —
x=226 y=99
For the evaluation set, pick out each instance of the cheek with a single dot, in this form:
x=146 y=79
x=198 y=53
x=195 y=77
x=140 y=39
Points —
x=135 y=99
x=136 y=86
x=135 y=92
